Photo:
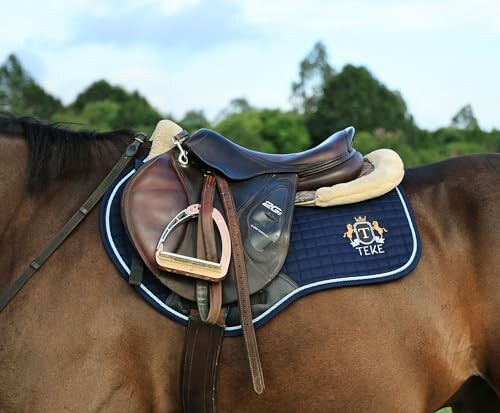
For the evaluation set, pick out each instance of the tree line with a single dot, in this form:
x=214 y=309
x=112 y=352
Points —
x=324 y=100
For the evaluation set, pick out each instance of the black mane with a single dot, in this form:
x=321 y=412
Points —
x=54 y=149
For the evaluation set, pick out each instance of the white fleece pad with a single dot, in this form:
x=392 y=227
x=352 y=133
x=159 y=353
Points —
x=162 y=137
x=388 y=172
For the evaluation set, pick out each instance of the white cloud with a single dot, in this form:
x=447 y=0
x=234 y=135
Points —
x=369 y=16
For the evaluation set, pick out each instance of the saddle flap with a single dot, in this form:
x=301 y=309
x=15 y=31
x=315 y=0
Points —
x=151 y=200
x=162 y=188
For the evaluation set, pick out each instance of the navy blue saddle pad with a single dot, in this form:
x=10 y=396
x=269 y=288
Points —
x=364 y=243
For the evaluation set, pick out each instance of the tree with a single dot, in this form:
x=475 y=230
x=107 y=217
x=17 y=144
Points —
x=194 y=120
x=355 y=97
x=314 y=73
x=465 y=119
x=136 y=112
x=267 y=130
x=237 y=105
x=285 y=130
x=123 y=109
x=21 y=95
x=244 y=128
x=100 y=90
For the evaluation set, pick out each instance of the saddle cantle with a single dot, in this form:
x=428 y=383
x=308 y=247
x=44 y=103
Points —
x=257 y=193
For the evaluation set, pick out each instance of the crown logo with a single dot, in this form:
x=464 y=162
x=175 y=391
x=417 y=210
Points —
x=360 y=219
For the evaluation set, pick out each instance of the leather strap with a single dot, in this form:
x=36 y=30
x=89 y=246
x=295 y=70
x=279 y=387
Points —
x=242 y=285
x=136 y=270
x=206 y=249
x=205 y=218
x=201 y=355
x=74 y=221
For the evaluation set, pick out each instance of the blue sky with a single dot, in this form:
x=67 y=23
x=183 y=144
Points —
x=199 y=54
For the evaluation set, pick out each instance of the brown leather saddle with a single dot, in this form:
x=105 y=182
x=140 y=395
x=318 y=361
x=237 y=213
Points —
x=249 y=196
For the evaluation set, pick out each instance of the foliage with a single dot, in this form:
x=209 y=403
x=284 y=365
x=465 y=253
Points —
x=268 y=130
x=465 y=119
x=355 y=97
x=105 y=106
x=325 y=101
x=21 y=95
x=314 y=73
x=194 y=120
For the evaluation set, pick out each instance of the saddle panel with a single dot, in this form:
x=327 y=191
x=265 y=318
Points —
x=239 y=163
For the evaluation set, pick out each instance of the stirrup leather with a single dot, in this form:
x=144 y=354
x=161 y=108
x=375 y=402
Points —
x=191 y=266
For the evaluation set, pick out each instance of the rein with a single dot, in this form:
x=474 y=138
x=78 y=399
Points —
x=74 y=221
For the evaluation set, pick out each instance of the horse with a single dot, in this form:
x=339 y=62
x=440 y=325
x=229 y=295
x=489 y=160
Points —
x=78 y=338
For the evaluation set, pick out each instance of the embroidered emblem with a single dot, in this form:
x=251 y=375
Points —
x=365 y=236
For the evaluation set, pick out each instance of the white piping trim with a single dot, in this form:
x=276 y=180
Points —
x=118 y=256
x=108 y=225
x=286 y=297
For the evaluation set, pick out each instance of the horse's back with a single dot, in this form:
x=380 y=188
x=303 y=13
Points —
x=401 y=346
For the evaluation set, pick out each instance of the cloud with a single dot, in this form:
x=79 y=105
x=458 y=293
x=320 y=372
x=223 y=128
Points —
x=385 y=16
x=192 y=25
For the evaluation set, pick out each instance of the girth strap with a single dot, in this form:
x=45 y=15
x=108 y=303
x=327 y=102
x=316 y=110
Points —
x=74 y=221
x=242 y=285
x=201 y=355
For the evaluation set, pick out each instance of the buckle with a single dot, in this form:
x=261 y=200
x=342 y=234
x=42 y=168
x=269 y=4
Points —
x=191 y=266
x=177 y=140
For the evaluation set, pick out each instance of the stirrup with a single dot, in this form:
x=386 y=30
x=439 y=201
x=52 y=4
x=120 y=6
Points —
x=191 y=266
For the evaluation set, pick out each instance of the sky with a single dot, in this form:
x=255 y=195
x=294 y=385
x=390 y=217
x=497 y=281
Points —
x=200 y=54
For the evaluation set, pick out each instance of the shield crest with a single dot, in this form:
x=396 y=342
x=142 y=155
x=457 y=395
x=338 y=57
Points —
x=364 y=232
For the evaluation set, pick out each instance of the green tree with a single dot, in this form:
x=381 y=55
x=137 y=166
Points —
x=314 y=73
x=355 y=97
x=21 y=95
x=120 y=108
x=100 y=90
x=267 y=130
x=237 y=105
x=465 y=119
x=194 y=120
x=136 y=112
x=285 y=130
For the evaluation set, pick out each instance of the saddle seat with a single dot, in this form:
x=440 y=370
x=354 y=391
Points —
x=332 y=161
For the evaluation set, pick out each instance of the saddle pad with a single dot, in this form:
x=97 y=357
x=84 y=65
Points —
x=364 y=243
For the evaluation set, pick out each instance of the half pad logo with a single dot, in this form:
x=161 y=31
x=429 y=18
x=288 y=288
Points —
x=365 y=236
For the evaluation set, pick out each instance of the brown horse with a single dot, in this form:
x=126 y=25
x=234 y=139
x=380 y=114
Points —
x=78 y=338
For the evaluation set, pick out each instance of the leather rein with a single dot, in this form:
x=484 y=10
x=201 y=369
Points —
x=74 y=221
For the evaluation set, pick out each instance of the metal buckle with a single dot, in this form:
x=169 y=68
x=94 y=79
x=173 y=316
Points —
x=177 y=141
x=191 y=266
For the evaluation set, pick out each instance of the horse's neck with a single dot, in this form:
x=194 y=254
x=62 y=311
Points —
x=31 y=221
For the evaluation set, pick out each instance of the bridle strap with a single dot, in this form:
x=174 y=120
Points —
x=74 y=221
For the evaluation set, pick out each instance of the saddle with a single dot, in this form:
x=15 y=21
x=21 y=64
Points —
x=249 y=197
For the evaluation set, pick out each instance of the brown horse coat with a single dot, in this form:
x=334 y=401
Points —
x=77 y=338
